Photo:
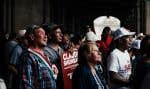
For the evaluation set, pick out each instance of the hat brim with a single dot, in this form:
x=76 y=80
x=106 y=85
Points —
x=129 y=34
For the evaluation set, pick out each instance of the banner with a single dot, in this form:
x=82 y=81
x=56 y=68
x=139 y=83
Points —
x=69 y=61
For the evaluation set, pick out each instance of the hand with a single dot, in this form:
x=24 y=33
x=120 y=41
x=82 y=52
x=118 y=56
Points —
x=54 y=68
x=13 y=69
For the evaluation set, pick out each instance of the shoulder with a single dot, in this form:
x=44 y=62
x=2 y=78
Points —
x=116 y=51
x=82 y=70
x=114 y=54
x=47 y=48
x=27 y=56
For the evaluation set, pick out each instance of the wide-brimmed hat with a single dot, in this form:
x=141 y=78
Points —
x=122 y=32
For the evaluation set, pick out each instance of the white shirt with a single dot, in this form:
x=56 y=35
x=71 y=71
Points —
x=119 y=62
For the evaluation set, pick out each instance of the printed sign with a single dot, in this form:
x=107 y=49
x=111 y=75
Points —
x=69 y=61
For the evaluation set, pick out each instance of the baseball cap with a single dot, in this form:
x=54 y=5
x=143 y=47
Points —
x=21 y=32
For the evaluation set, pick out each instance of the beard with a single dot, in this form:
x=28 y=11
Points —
x=42 y=44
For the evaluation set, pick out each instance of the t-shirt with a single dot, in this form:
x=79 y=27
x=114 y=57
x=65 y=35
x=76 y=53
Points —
x=119 y=62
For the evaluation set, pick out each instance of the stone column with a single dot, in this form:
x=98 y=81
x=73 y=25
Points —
x=148 y=17
x=138 y=16
x=28 y=12
x=141 y=16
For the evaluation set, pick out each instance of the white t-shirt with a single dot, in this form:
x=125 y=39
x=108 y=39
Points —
x=119 y=62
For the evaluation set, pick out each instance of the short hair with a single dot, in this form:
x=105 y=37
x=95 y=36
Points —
x=31 y=29
x=106 y=30
x=49 y=28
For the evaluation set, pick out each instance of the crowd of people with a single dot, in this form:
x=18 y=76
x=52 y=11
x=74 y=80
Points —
x=32 y=58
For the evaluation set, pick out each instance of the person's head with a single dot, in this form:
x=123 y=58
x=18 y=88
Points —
x=11 y=36
x=36 y=36
x=89 y=53
x=145 y=45
x=140 y=36
x=55 y=33
x=76 y=40
x=21 y=33
x=123 y=38
x=21 y=36
x=66 y=43
x=106 y=32
x=66 y=38
x=87 y=28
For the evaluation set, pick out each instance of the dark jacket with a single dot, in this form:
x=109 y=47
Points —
x=84 y=79
x=142 y=69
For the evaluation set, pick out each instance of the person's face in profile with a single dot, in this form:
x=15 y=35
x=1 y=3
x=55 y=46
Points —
x=58 y=35
x=94 y=54
x=40 y=37
x=127 y=41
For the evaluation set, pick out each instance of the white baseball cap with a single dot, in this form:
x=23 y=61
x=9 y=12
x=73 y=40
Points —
x=21 y=33
x=122 y=32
